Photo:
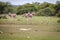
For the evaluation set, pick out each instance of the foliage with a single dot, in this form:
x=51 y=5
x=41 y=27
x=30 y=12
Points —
x=5 y=7
x=57 y=8
x=43 y=9
x=58 y=14
x=58 y=21
x=3 y=17
x=45 y=12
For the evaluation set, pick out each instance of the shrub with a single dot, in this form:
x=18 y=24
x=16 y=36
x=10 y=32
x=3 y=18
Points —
x=45 y=12
x=3 y=17
x=58 y=21
x=58 y=14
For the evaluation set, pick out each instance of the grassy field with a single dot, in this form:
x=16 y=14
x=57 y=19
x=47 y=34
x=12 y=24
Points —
x=35 y=20
x=42 y=28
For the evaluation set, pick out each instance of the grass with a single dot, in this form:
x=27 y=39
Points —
x=12 y=32
x=35 y=20
x=43 y=28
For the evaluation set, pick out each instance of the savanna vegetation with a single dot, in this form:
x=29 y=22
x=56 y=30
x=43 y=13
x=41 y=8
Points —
x=45 y=25
x=41 y=9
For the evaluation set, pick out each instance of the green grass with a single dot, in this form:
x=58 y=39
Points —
x=44 y=32
x=35 y=20
x=43 y=28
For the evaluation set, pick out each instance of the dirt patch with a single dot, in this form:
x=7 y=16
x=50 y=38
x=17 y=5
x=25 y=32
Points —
x=25 y=29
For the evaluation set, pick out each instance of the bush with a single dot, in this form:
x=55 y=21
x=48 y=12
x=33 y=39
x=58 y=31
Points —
x=58 y=21
x=45 y=12
x=3 y=17
x=58 y=14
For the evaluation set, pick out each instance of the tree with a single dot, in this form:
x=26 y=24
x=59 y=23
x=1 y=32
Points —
x=57 y=8
x=5 y=7
x=45 y=12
